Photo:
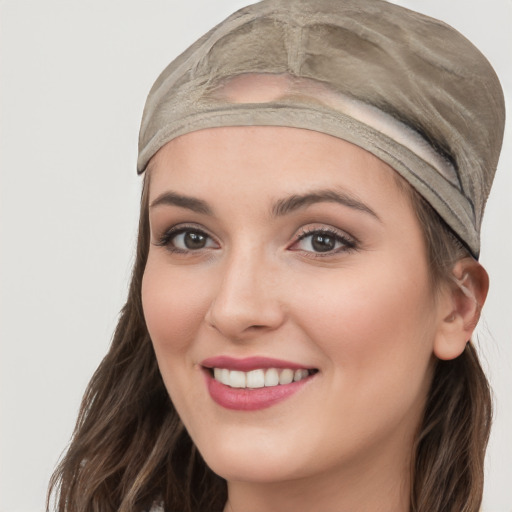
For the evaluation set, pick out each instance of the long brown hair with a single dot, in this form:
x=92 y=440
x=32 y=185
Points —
x=448 y=458
x=129 y=448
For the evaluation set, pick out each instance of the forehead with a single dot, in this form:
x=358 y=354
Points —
x=254 y=161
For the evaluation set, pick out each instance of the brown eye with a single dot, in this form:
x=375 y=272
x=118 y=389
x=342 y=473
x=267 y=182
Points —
x=194 y=240
x=322 y=242
x=187 y=240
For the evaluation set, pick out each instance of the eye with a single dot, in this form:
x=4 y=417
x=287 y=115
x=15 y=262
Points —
x=186 y=239
x=323 y=241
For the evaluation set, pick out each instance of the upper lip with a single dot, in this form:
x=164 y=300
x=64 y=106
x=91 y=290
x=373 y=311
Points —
x=250 y=363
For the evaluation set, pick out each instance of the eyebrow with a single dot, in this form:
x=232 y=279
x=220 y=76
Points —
x=280 y=208
x=191 y=203
x=296 y=202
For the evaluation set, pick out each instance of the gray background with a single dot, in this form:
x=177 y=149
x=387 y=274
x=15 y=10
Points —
x=74 y=75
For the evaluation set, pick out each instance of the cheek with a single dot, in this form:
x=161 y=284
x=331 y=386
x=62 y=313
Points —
x=377 y=335
x=174 y=307
x=375 y=326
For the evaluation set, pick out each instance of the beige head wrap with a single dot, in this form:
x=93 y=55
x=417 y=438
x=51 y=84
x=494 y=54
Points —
x=405 y=87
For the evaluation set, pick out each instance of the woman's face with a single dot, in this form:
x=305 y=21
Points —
x=281 y=253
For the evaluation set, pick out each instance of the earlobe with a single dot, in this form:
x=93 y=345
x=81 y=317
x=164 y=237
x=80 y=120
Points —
x=460 y=308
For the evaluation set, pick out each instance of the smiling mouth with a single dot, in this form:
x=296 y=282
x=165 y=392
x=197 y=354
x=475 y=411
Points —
x=254 y=383
x=259 y=378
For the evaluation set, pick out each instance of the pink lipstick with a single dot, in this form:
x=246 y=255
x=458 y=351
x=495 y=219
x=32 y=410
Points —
x=253 y=383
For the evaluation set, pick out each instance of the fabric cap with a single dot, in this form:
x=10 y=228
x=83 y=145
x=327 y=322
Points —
x=408 y=88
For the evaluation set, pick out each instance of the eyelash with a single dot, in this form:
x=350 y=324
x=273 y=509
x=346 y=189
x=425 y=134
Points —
x=348 y=244
x=166 y=239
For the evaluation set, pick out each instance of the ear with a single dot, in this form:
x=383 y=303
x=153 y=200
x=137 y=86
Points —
x=460 y=305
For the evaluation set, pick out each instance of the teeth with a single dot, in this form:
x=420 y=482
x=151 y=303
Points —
x=286 y=377
x=237 y=379
x=258 y=378
x=224 y=376
x=300 y=374
x=271 y=377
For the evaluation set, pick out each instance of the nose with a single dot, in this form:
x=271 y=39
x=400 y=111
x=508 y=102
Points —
x=246 y=300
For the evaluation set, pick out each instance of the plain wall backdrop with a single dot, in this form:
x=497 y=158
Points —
x=74 y=75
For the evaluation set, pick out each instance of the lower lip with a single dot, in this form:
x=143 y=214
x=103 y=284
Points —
x=245 y=399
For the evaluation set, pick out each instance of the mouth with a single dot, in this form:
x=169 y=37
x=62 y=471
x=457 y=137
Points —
x=259 y=378
x=253 y=383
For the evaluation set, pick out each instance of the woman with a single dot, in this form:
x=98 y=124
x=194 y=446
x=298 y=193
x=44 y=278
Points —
x=297 y=331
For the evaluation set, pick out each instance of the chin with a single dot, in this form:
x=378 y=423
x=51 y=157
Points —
x=245 y=458
x=257 y=469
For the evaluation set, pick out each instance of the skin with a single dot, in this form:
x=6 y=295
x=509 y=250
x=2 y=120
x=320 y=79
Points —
x=364 y=314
